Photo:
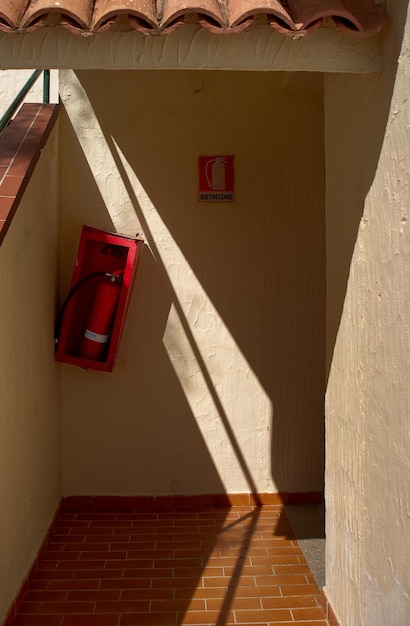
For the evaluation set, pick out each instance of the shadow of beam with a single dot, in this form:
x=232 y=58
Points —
x=254 y=516
x=184 y=323
x=236 y=574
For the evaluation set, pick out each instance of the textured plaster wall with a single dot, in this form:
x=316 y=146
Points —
x=30 y=441
x=368 y=290
x=219 y=382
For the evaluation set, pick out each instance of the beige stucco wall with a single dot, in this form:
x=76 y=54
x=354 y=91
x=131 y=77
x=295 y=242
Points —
x=367 y=132
x=219 y=382
x=30 y=441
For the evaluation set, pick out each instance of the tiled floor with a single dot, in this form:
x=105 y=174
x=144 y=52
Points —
x=209 y=567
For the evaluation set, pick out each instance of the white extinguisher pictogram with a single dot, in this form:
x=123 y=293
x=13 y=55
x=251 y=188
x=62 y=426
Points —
x=215 y=173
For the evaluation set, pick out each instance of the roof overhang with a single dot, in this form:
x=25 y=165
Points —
x=191 y=47
x=264 y=35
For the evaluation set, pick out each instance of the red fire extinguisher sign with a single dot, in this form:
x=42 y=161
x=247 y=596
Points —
x=91 y=320
x=216 y=178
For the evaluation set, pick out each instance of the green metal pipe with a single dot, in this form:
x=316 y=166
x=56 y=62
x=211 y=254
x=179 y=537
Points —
x=18 y=99
x=46 y=86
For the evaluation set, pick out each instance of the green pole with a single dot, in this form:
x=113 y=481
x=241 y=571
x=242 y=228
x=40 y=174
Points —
x=18 y=99
x=46 y=87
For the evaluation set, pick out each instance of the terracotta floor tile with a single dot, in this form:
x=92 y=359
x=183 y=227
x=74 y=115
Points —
x=96 y=573
x=50 y=574
x=46 y=595
x=235 y=604
x=216 y=592
x=289 y=602
x=38 y=620
x=204 y=617
x=160 y=606
x=30 y=608
x=299 y=590
x=173 y=568
x=307 y=614
x=63 y=608
x=74 y=584
x=153 y=619
x=268 y=615
x=297 y=579
x=258 y=592
x=148 y=594
x=90 y=620
x=123 y=606
x=99 y=595
x=291 y=569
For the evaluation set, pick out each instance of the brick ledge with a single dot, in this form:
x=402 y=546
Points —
x=21 y=143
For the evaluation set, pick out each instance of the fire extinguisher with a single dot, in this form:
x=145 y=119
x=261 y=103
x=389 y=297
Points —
x=101 y=316
x=100 y=319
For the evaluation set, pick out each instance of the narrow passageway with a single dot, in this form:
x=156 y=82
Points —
x=208 y=566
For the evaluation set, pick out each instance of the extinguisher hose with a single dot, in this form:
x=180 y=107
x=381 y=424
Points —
x=57 y=331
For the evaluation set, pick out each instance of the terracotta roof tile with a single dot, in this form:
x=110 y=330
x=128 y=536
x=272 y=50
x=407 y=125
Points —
x=80 y=11
x=290 y=17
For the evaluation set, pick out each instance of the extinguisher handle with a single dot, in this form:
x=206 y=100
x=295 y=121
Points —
x=115 y=277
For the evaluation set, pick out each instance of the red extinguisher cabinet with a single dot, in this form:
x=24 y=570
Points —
x=91 y=320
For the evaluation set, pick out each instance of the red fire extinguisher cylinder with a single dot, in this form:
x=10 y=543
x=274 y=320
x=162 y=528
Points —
x=100 y=320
